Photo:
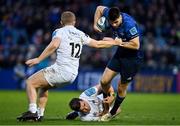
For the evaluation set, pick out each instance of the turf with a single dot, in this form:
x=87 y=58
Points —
x=137 y=109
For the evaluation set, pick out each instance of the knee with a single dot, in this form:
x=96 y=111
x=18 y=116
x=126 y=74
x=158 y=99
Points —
x=43 y=92
x=105 y=87
x=29 y=82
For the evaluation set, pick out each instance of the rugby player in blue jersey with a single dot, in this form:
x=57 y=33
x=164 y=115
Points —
x=127 y=58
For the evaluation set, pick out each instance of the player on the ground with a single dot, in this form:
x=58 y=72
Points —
x=127 y=58
x=89 y=105
x=67 y=42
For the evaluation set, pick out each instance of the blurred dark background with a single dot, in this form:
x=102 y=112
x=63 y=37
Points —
x=26 y=27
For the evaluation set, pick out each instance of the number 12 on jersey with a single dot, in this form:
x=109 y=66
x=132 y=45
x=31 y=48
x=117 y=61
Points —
x=76 y=50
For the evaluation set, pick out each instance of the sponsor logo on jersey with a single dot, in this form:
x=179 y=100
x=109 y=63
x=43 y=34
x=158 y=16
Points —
x=133 y=31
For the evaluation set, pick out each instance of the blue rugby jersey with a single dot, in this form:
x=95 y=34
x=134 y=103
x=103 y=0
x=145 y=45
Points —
x=126 y=31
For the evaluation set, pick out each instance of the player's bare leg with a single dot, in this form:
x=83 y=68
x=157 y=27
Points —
x=122 y=88
x=106 y=79
x=34 y=82
x=43 y=98
x=105 y=82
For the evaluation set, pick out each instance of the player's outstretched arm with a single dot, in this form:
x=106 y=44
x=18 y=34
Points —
x=97 y=15
x=103 y=44
x=54 y=44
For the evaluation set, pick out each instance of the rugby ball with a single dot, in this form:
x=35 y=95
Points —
x=103 y=24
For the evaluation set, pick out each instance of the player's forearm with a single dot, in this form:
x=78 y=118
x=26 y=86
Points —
x=130 y=45
x=98 y=14
x=106 y=44
x=47 y=52
x=54 y=44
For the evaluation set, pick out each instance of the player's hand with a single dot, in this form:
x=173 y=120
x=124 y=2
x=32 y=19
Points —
x=119 y=41
x=32 y=62
x=109 y=100
x=96 y=28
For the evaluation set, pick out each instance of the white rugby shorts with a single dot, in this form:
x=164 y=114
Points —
x=57 y=76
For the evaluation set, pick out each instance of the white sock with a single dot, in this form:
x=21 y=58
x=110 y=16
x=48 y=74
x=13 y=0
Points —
x=33 y=107
x=40 y=111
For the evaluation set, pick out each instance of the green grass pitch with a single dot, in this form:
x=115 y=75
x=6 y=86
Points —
x=137 y=109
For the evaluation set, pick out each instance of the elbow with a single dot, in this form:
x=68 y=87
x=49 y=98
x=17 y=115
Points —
x=55 y=46
x=100 y=9
x=137 y=46
x=135 y=43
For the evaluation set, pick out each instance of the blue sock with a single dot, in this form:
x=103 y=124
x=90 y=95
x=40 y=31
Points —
x=117 y=103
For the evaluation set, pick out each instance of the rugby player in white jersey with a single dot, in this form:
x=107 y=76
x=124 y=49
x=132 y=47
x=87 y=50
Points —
x=67 y=42
x=90 y=104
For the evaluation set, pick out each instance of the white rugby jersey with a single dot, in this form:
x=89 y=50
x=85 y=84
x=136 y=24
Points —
x=69 y=51
x=95 y=101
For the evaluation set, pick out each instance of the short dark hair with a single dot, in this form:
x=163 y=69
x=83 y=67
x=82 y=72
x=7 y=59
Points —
x=114 y=13
x=75 y=104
